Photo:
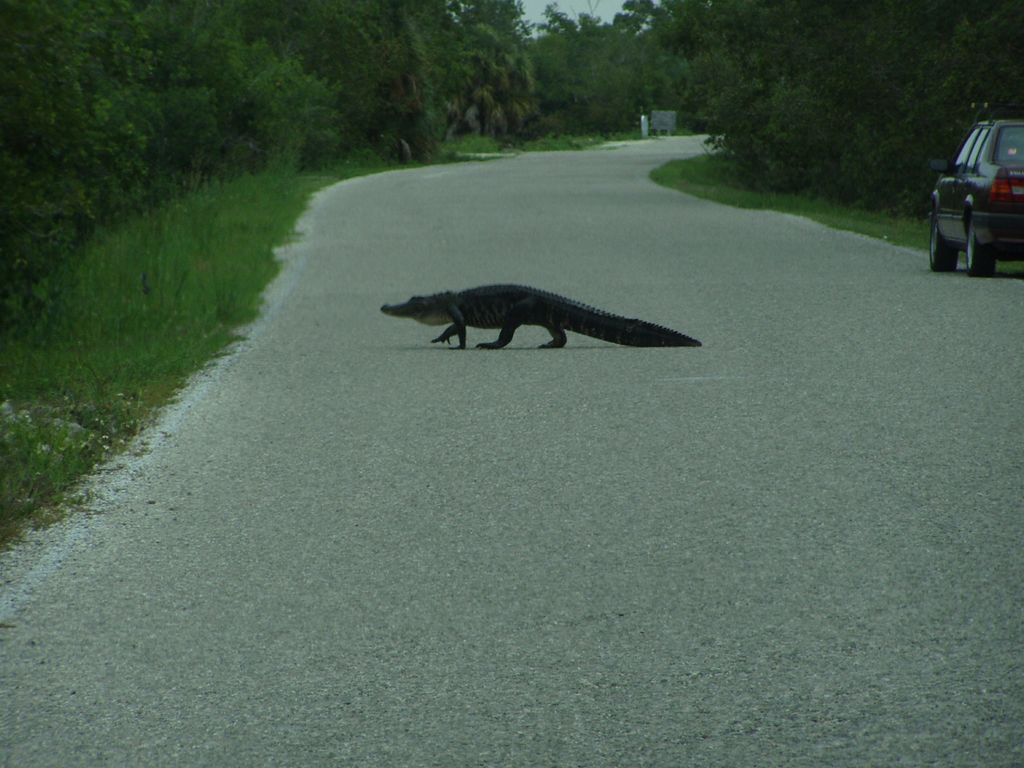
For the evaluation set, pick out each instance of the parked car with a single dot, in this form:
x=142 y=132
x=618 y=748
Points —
x=978 y=202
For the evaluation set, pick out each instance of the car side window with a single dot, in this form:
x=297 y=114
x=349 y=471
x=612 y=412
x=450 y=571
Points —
x=979 y=143
x=965 y=150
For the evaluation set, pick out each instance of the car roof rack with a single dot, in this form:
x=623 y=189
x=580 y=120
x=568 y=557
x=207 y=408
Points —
x=995 y=110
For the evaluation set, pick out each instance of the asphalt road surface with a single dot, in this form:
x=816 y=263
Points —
x=799 y=545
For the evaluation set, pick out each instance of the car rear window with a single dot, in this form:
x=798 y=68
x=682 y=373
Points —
x=1010 y=145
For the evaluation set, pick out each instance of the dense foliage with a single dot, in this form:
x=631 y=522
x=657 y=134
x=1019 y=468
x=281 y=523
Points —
x=841 y=99
x=595 y=77
x=110 y=106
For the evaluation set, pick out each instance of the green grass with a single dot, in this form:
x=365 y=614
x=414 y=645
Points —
x=121 y=344
x=714 y=178
x=565 y=143
x=464 y=147
x=562 y=143
x=469 y=147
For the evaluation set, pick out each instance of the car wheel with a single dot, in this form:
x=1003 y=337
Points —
x=981 y=259
x=941 y=256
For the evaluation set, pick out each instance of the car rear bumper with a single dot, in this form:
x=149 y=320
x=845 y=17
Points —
x=1004 y=231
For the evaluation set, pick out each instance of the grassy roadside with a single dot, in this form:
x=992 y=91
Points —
x=568 y=143
x=713 y=177
x=148 y=304
x=78 y=390
x=474 y=147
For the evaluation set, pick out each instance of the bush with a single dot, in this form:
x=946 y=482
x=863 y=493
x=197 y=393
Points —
x=846 y=100
x=71 y=150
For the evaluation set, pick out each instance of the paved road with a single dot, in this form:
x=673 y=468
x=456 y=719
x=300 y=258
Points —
x=799 y=545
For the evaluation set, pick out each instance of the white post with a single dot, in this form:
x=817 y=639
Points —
x=644 y=128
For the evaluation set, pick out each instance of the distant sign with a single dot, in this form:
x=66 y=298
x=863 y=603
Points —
x=663 y=121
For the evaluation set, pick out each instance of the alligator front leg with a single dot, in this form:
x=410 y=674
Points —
x=457 y=328
x=452 y=330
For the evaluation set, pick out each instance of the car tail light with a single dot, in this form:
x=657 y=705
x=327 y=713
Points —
x=1008 y=187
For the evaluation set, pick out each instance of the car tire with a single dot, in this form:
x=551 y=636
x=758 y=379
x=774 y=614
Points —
x=981 y=259
x=942 y=257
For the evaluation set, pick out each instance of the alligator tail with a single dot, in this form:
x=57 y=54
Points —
x=640 y=333
x=629 y=332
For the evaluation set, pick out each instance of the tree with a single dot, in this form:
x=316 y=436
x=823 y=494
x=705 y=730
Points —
x=845 y=100
x=597 y=77
x=490 y=82
x=71 y=143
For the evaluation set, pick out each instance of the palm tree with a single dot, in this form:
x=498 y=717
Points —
x=493 y=91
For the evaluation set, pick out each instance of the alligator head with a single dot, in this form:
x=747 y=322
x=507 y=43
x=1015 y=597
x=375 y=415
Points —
x=429 y=310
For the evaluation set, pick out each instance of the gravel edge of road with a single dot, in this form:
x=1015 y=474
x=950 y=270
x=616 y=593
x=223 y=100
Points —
x=27 y=563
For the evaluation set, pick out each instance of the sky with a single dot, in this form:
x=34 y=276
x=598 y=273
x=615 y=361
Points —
x=603 y=9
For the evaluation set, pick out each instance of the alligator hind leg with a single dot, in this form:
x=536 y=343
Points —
x=508 y=330
x=557 y=337
x=517 y=315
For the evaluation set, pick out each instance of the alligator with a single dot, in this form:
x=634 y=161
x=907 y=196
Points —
x=509 y=306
